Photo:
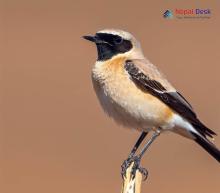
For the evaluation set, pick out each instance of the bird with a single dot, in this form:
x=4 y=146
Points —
x=134 y=93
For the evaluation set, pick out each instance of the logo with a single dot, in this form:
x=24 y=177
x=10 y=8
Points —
x=188 y=13
x=168 y=14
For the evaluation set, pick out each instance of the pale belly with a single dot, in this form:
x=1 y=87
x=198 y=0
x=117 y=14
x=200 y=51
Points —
x=130 y=106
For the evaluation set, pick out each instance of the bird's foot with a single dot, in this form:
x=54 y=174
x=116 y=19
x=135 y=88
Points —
x=136 y=166
x=126 y=164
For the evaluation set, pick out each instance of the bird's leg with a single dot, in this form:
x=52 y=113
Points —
x=138 y=143
x=129 y=160
x=146 y=146
x=137 y=159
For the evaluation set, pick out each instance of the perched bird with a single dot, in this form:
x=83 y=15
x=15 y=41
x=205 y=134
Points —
x=135 y=94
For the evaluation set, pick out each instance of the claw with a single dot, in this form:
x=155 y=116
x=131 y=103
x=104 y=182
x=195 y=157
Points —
x=136 y=166
x=144 y=172
x=125 y=166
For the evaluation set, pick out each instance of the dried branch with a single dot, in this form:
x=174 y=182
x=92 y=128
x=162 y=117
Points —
x=132 y=184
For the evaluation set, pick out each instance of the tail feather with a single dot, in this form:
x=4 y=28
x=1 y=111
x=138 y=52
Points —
x=203 y=130
x=208 y=146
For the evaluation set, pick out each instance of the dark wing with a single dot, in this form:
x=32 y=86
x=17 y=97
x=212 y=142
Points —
x=172 y=99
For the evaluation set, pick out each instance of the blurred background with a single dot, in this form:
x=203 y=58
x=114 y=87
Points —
x=54 y=136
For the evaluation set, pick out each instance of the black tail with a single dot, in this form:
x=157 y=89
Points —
x=208 y=146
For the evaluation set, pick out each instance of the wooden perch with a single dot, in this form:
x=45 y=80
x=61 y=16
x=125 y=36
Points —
x=132 y=184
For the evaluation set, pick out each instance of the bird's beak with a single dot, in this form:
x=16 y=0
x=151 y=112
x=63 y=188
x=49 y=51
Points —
x=94 y=39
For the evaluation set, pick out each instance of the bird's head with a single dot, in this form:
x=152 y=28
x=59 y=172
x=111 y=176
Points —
x=112 y=42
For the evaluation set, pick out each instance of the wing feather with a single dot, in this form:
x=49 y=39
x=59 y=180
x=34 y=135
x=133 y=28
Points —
x=160 y=88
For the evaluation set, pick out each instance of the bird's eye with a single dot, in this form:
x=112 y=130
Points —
x=118 y=40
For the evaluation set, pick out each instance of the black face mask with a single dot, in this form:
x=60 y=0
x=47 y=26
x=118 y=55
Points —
x=109 y=45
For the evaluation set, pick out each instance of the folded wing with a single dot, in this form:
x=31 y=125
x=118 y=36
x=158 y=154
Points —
x=150 y=80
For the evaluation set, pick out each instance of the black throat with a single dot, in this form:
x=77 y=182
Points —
x=105 y=52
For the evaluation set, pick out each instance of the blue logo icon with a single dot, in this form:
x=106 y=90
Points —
x=168 y=14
